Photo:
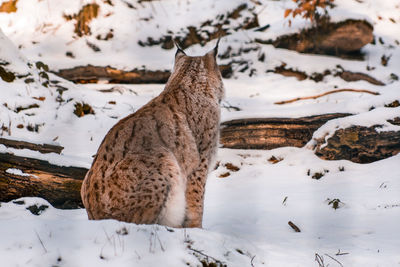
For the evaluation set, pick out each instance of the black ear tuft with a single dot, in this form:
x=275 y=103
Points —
x=179 y=50
x=216 y=47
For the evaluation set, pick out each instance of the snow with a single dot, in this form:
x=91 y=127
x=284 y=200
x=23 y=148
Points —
x=246 y=213
x=19 y=172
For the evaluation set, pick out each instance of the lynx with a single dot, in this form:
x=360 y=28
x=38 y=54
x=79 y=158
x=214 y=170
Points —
x=152 y=166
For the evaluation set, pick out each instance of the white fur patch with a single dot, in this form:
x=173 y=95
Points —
x=173 y=213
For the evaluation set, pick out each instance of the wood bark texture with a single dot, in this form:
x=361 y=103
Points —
x=269 y=133
x=58 y=185
x=92 y=74
x=359 y=144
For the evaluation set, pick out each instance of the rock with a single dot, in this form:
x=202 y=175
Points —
x=359 y=144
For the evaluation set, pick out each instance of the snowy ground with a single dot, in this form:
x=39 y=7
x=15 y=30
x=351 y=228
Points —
x=246 y=213
x=245 y=221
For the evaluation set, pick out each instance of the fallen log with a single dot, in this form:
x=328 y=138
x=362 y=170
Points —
x=42 y=148
x=343 y=39
x=269 y=133
x=359 y=144
x=92 y=74
x=58 y=185
x=61 y=185
x=346 y=75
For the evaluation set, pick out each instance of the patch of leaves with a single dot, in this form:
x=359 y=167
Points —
x=308 y=9
x=29 y=80
x=208 y=30
x=317 y=175
x=385 y=60
x=394 y=104
x=336 y=203
x=224 y=175
x=94 y=47
x=85 y=15
x=19 y=202
x=33 y=127
x=37 y=210
x=394 y=77
x=21 y=108
x=6 y=76
x=122 y=231
x=274 y=159
x=232 y=167
x=42 y=66
x=9 y=6
x=82 y=109
x=395 y=121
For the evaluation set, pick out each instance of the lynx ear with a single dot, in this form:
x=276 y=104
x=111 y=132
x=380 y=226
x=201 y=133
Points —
x=214 y=52
x=179 y=51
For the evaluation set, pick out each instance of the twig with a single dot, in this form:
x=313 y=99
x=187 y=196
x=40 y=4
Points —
x=341 y=253
x=205 y=255
x=334 y=259
x=251 y=262
x=326 y=93
x=319 y=260
x=294 y=227
x=159 y=240
x=41 y=242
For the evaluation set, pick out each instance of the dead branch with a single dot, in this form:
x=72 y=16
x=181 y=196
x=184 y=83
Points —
x=42 y=148
x=206 y=256
x=334 y=259
x=294 y=227
x=320 y=260
x=326 y=93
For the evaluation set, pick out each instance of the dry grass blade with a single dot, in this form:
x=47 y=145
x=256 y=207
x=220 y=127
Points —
x=326 y=93
x=294 y=227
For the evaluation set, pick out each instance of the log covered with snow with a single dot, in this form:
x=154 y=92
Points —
x=342 y=38
x=92 y=74
x=21 y=176
x=359 y=144
x=24 y=177
x=270 y=133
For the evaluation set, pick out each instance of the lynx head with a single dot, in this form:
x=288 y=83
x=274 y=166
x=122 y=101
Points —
x=199 y=73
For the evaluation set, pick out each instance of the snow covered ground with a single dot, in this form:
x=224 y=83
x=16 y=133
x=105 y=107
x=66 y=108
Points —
x=246 y=213
x=245 y=221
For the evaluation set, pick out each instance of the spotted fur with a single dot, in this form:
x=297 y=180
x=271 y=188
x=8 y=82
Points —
x=152 y=166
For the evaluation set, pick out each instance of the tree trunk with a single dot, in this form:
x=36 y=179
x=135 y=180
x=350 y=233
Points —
x=269 y=133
